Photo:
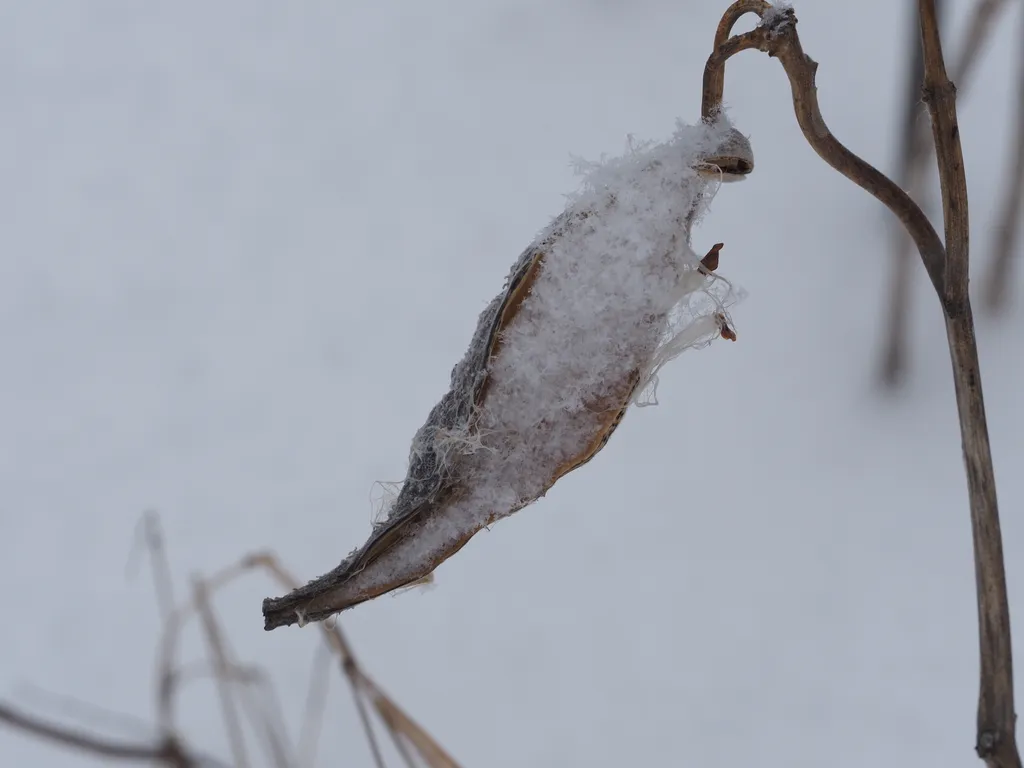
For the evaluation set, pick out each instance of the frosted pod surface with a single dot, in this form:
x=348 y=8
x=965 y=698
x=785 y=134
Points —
x=605 y=295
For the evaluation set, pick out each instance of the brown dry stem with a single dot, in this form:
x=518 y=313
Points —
x=222 y=668
x=168 y=753
x=947 y=265
x=915 y=153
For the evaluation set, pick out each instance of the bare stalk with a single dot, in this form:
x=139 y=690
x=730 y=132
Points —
x=414 y=745
x=168 y=753
x=222 y=669
x=1008 y=226
x=996 y=717
x=940 y=96
x=914 y=154
x=947 y=264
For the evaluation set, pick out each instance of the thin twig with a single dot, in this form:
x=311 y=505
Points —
x=316 y=704
x=364 y=718
x=78 y=710
x=918 y=151
x=1008 y=225
x=168 y=753
x=336 y=640
x=267 y=719
x=403 y=729
x=940 y=96
x=263 y=712
x=163 y=584
x=397 y=735
x=780 y=41
x=947 y=265
x=150 y=537
x=363 y=688
x=168 y=678
x=227 y=674
x=221 y=666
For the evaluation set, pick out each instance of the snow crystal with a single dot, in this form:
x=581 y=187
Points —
x=776 y=18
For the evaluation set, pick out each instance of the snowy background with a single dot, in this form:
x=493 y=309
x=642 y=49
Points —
x=242 y=245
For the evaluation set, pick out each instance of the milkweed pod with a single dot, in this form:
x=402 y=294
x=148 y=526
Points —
x=605 y=295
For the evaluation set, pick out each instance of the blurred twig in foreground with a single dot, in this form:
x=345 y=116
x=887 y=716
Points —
x=244 y=692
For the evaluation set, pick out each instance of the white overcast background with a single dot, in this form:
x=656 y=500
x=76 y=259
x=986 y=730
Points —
x=242 y=245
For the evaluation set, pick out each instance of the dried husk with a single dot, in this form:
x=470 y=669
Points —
x=463 y=440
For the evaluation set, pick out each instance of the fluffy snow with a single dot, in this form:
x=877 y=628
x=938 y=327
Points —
x=777 y=17
x=620 y=291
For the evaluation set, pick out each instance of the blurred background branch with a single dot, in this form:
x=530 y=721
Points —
x=245 y=692
x=915 y=149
